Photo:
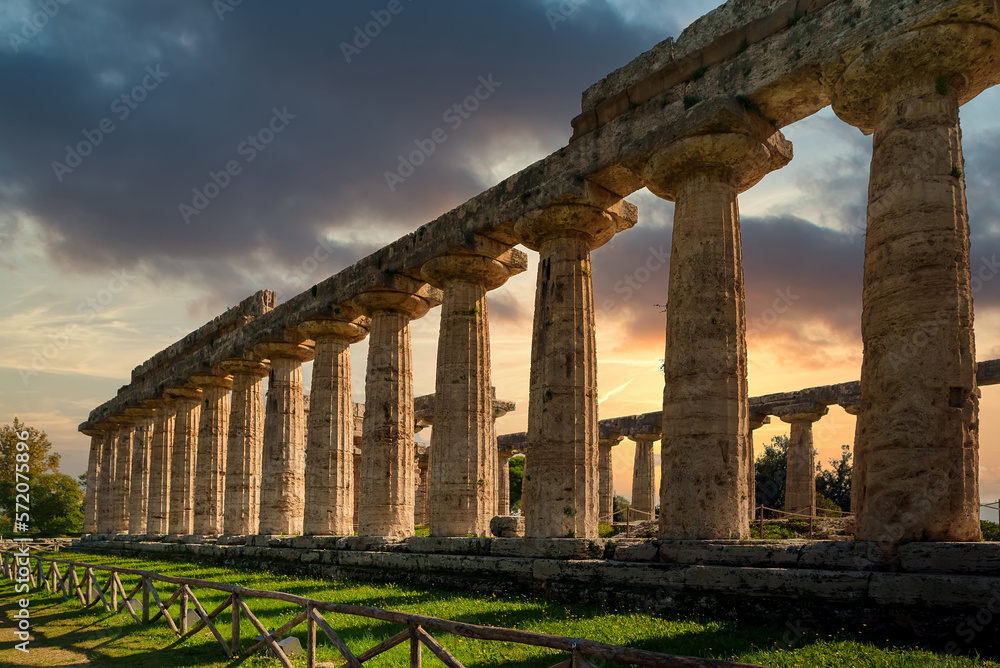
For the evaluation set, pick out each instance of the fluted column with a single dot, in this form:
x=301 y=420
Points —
x=183 y=459
x=282 y=489
x=606 y=474
x=421 y=495
x=213 y=429
x=800 y=475
x=329 y=508
x=139 y=477
x=90 y=503
x=757 y=420
x=463 y=443
x=122 y=482
x=244 y=447
x=703 y=488
x=503 y=481
x=106 y=479
x=643 y=482
x=560 y=496
x=158 y=506
x=387 y=467
x=919 y=430
x=853 y=407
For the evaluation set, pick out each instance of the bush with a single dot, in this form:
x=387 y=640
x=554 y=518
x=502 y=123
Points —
x=991 y=530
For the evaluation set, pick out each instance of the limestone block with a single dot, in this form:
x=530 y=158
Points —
x=507 y=526
x=840 y=555
x=758 y=553
x=844 y=586
x=967 y=558
x=437 y=545
x=648 y=551
x=548 y=548
x=960 y=592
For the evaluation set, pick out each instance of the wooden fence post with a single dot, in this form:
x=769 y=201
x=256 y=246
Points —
x=415 y=653
x=183 y=602
x=310 y=637
x=145 y=600
x=235 y=644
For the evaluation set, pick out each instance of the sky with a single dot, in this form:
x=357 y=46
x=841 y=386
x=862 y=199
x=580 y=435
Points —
x=161 y=161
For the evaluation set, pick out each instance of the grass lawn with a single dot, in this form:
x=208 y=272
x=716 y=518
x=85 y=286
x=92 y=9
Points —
x=63 y=634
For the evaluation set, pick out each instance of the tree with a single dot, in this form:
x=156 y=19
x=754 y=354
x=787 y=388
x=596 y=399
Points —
x=835 y=484
x=620 y=503
x=772 y=467
x=56 y=505
x=35 y=461
x=516 y=466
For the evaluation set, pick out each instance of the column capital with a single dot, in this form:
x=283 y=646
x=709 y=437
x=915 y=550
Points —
x=610 y=441
x=805 y=412
x=352 y=327
x=757 y=420
x=92 y=431
x=465 y=268
x=207 y=380
x=574 y=219
x=122 y=420
x=181 y=393
x=140 y=413
x=157 y=403
x=959 y=57
x=237 y=365
x=284 y=349
x=742 y=149
x=851 y=406
x=645 y=436
x=391 y=301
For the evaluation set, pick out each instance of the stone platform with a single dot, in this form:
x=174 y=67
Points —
x=928 y=591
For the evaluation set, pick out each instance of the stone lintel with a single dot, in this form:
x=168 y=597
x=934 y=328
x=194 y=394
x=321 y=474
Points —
x=423 y=408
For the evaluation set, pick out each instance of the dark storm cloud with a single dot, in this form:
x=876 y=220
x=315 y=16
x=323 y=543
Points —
x=221 y=81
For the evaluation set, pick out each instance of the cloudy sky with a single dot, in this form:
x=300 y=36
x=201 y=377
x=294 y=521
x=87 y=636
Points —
x=111 y=251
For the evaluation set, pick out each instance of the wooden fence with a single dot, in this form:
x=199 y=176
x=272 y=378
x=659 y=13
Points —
x=113 y=596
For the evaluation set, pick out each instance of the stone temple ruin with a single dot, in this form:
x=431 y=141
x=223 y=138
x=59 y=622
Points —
x=191 y=448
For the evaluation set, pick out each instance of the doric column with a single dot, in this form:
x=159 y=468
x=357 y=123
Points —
x=800 y=475
x=503 y=481
x=158 y=506
x=106 y=479
x=560 y=496
x=463 y=443
x=918 y=439
x=244 y=445
x=139 y=477
x=421 y=495
x=282 y=489
x=703 y=488
x=852 y=406
x=122 y=482
x=606 y=475
x=183 y=459
x=213 y=429
x=757 y=420
x=90 y=503
x=329 y=508
x=643 y=482
x=387 y=466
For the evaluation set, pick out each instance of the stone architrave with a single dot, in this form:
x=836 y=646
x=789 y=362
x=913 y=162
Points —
x=183 y=459
x=139 y=477
x=560 y=493
x=388 y=469
x=282 y=488
x=703 y=488
x=918 y=442
x=463 y=443
x=329 y=509
x=91 y=502
x=800 y=476
x=606 y=475
x=643 y=480
x=757 y=420
x=244 y=446
x=213 y=430
x=122 y=482
x=158 y=506
x=106 y=478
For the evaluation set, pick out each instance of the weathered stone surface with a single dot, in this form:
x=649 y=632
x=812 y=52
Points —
x=388 y=470
x=917 y=456
x=93 y=476
x=841 y=555
x=106 y=481
x=800 y=476
x=643 y=483
x=605 y=473
x=560 y=479
x=139 y=476
x=282 y=489
x=756 y=554
x=912 y=589
x=329 y=507
x=507 y=526
x=703 y=490
x=183 y=459
x=122 y=481
x=244 y=447
x=547 y=548
x=213 y=429
x=967 y=558
x=844 y=586
x=648 y=551
x=463 y=443
x=434 y=545
x=158 y=505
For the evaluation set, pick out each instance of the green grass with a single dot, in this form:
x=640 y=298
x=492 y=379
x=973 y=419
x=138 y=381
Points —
x=64 y=632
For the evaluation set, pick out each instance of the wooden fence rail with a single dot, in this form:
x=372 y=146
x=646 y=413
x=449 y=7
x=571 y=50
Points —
x=113 y=597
